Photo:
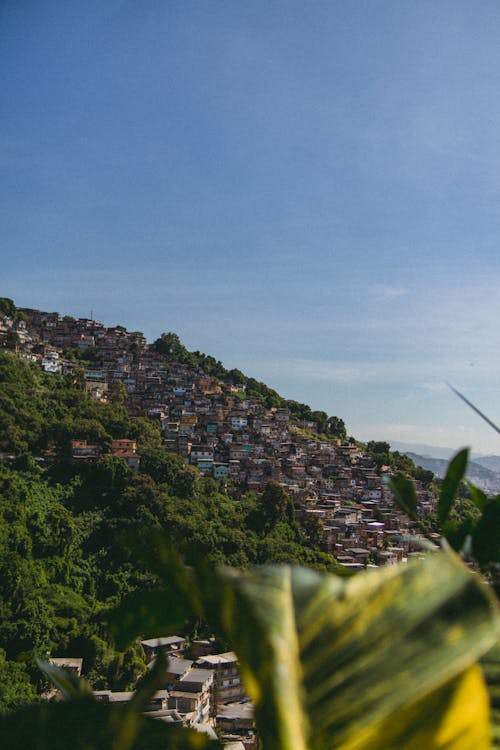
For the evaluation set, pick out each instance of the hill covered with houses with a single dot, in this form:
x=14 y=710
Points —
x=103 y=435
x=227 y=426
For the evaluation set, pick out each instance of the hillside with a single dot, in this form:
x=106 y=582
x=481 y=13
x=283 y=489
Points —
x=103 y=436
x=489 y=462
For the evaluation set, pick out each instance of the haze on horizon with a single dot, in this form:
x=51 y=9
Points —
x=309 y=192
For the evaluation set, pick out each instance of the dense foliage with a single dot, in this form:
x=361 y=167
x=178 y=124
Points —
x=63 y=564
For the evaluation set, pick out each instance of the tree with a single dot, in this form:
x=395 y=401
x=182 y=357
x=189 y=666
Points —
x=336 y=427
x=160 y=464
x=185 y=482
x=423 y=475
x=313 y=529
x=7 y=307
x=236 y=377
x=275 y=505
x=378 y=446
x=321 y=419
x=117 y=394
x=16 y=689
x=169 y=344
x=147 y=433
x=11 y=340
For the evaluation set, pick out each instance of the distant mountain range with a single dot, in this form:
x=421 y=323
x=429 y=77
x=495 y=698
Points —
x=489 y=462
x=486 y=478
x=484 y=471
x=433 y=451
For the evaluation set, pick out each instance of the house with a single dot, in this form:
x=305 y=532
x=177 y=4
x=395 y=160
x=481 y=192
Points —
x=227 y=682
x=202 y=647
x=282 y=415
x=169 y=427
x=83 y=451
x=172 y=644
x=220 y=471
x=201 y=453
x=191 y=696
x=236 y=718
x=176 y=668
x=238 y=451
x=187 y=426
x=96 y=390
x=69 y=664
x=359 y=554
x=238 y=423
x=157 y=702
x=51 y=362
x=126 y=449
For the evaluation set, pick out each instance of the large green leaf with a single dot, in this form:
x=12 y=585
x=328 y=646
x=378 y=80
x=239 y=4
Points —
x=383 y=660
x=478 y=497
x=386 y=659
x=405 y=496
x=451 y=482
x=486 y=535
x=491 y=667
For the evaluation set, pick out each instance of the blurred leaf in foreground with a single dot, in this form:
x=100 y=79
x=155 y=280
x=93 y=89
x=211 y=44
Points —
x=405 y=496
x=385 y=660
x=451 y=482
x=486 y=535
x=85 y=724
x=491 y=668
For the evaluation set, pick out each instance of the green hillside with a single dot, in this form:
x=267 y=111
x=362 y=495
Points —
x=63 y=563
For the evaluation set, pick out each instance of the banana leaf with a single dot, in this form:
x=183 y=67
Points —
x=491 y=668
x=385 y=660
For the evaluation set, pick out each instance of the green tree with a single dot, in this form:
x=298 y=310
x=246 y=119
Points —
x=117 y=394
x=185 y=482
x=275 y=505
x=16 y=689
x=169 y=344
x=321 y=419
x=11 y=340
x=7 y=307
x=336 y=427
x=160 y=464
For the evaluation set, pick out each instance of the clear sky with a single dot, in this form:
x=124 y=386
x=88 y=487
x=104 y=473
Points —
x=309 y=191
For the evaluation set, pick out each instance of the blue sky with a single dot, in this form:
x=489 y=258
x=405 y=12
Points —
x=309 y=191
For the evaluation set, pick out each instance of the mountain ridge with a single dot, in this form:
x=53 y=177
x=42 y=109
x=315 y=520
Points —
x=483 y=477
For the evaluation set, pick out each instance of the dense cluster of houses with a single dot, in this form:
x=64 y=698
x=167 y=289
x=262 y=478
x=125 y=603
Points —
x=200 y=689
x=228 y=436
